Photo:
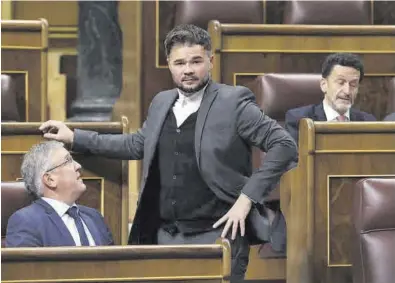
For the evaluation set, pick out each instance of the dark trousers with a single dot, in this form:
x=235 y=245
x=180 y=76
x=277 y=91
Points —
x=240 y=247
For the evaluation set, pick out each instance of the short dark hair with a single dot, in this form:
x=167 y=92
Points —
x=342 y=59
x=187 y=34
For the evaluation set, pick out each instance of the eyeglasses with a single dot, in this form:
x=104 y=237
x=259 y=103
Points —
x=69 y=159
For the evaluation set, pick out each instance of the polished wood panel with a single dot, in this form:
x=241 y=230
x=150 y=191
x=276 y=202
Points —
x=264 y=268
x=130 y=104
x=195 y=263
x=106 y=179
x=245 y=51
x=62 y=17
x=340 y=195
x=316 y=195
x=155 y=77
x=57 y=13
x=24 y=47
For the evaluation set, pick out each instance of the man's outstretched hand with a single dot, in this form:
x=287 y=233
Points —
x=57 y=130
x=235 y=217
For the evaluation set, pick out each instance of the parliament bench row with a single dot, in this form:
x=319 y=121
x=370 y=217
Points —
x=108 y=189
x=194 y=263
x=373 y=257
x=315 y=196
x=243 y=53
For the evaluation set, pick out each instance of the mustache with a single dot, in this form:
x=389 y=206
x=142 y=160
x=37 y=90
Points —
x=189 y=78
x=346 y=97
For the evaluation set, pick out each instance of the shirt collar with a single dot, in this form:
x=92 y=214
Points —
x=59 y=206
x=193 y=98
x=332 y=114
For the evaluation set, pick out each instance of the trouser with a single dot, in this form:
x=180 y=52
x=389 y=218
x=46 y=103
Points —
x=240 y=247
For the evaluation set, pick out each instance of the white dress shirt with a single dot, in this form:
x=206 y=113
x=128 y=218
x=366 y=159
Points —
x=186 y=105
x=61 y=209
x=331 y=114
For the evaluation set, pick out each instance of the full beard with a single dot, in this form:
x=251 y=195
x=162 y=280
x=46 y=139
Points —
x=339 y=106
x=189 y=91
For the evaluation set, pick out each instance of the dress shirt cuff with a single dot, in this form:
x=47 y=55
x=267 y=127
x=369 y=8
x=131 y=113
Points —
x=253 y=201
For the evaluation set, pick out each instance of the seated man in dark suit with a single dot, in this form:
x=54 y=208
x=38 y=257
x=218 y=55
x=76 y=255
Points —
x=54 y=219
x=341 y=75
x=390 y=117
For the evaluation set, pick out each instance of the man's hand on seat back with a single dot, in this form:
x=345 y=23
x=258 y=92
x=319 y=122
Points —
x=57 y=130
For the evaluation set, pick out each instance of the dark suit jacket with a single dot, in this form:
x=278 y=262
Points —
x=390 y=117
x=316 y=113
x=229 y=122
x=39 y=225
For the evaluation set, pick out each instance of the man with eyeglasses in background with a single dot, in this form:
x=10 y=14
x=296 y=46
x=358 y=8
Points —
x=51 y=174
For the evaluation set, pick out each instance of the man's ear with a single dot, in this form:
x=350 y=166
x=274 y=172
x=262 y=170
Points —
x=324 y=85
x=211 y=61
x=49 y=181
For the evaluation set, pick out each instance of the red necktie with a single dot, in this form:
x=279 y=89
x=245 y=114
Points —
x=341 y=118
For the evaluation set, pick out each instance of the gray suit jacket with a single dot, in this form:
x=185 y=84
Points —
x=229 y=122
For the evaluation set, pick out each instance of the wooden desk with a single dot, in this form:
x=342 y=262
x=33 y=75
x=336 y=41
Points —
x=195 y=263
x=24 y=46
x=264 y=268
x=106 y=179
x=316 y=196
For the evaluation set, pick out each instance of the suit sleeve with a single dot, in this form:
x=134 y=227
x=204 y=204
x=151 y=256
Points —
x=390 y=117
x=292 y=126
x=265 y=133
x=121 y=146
x=107 y=231
x=371 y=118
x=22 y=232
x=110 y=238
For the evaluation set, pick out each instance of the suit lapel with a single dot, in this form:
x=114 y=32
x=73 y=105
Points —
x=319 y=113
x=67 y=239
x=161 y=113
x=354 y=116
x=209 y=96
x=97 y=237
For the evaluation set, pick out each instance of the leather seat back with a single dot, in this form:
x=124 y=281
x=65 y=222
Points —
x=356 y=12
x=201 y=12
x=374 y=227
x=9 y=109
x=14 y=196
x=277 y=93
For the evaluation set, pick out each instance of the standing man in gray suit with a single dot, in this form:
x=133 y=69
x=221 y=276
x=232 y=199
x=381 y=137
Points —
x=197 y=182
